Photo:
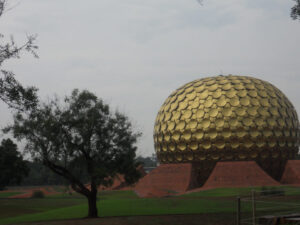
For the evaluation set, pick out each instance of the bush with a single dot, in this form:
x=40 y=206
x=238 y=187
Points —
x=38 y=194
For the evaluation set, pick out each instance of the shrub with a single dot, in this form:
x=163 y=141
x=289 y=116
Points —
x=38 y=194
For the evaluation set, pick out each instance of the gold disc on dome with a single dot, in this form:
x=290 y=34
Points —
x=263 y=94
x=252 y=111
x=199 y=134
x=187 y=114
x=171 y=125
x=219 y=123
x=262 y=111
x=205 y=123
x=259 y=122
x=182 y=146
x=187 y=135
x=189 y=89
x=272 y=122
x=172 y=146
x=226 y=86
x=247 y=122
x=214 y=112
x=180 y=97
x=193 y=145
x=210 y=82
x=204 y=94
x=200 y=113
x=250 y=86
x=231 y=93
x=239 y=86
x=183 y=105
x=233 y=122
x=254 y=133
x=245 y=101
x=254 y=101
x=181 y=125
x=208 y=103
x=264 y=102
x=221 y=102
x=226 y=133
x=223 y=81
x=176 y=136
x=191 y=96
x=248 y=143
x=227 y=111
x=241 y=133
x=242 y=93
x=235 y=143
x=220 y=144
x=252 y=93
x=193 y=124
x=176 y=115
x=267 y=133
x=213 y=87
x=167 y=136
x=206 y=144
x=240 y=111
x=234 y=101
x=195 y=104
x=174 y=106
x=212 y=134
x=217 y=93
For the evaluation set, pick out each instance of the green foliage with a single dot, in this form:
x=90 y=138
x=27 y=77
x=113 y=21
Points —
x=38 y=194
x=11 y=91
x=295 y=11
x=80 y=140
x=12 y=166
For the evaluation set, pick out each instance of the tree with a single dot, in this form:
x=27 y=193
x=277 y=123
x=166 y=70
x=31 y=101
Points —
x=80 y=134
x=12 y=166
x=295 y=11
x=11 y=91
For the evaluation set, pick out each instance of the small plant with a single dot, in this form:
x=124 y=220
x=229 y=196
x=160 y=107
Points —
x=38 y=194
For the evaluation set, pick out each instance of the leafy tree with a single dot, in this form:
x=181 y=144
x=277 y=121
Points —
x=11 y=91
x=80 y=134
x=295 y=11
x=12 y=166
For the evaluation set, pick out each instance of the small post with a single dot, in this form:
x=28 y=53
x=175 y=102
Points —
x=253 y=207
x=238 y=215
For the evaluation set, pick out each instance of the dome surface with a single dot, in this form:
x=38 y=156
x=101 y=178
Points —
x=226 y=118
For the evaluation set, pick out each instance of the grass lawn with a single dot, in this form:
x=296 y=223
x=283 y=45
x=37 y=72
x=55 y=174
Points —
x=122 y=203
x=8 y=194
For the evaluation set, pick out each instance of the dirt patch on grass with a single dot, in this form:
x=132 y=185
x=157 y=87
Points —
x=207 y=219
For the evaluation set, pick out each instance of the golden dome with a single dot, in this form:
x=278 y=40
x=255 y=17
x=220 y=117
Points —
x=226 y=118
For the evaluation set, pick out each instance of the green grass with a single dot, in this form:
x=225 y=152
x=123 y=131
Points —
x=9 y=194
x=124 y=203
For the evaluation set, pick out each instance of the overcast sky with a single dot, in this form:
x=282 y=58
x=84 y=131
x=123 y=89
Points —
x=134 y=53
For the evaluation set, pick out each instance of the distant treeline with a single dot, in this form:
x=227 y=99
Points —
x=41 y=175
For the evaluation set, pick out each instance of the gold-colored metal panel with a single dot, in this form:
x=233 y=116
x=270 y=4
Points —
x=212 y=115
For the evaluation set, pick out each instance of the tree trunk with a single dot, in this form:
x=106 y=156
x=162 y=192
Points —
x=93 y=212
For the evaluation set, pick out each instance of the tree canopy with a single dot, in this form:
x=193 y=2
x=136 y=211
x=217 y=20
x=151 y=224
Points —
x=295 y=11
x=12 y=166
x=80 y=134
x=11 y=91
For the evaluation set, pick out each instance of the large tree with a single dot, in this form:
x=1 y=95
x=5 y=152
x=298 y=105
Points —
x=295 y=11
x=11 y=91
x=12 y=166
x=80 y=133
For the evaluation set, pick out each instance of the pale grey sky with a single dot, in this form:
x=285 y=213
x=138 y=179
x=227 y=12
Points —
x=134 y=53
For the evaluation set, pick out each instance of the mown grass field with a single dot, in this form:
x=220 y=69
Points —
x=127 y=203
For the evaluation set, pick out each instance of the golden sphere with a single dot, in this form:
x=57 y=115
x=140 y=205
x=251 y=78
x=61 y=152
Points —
x=226 y=118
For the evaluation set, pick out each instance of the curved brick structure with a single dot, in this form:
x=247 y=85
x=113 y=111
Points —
x=238 y=174
x=291 y=174
x=166 y=179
